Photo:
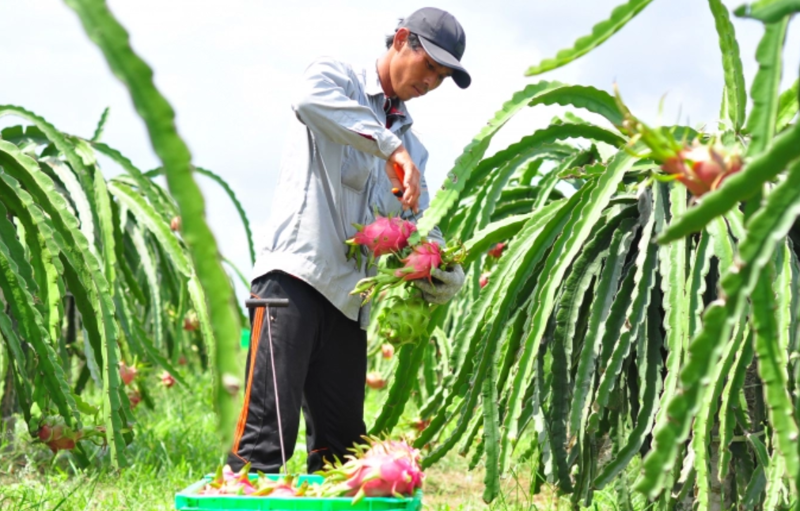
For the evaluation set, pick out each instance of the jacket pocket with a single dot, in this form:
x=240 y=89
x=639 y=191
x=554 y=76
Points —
x=356 y=168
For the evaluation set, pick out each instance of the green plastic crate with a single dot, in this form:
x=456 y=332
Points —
x=189 y=500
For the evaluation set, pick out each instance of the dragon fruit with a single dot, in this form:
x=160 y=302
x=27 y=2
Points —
x=282 y=487
x=375 y=381
x=191 y=322
x=387 y=350
x=702 y=168
x=404 y=321
x=167 y=379
x=497 y=250
x=56 y=435
x=384 y=235
x=228 y=482
x=484 y=280
x=127 y=373
x=135 y=398
x=419 y=263
x=385 y=468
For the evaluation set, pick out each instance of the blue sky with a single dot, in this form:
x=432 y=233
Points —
x=228 y=68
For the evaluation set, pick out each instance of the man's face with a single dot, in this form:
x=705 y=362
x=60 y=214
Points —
x=413 y=72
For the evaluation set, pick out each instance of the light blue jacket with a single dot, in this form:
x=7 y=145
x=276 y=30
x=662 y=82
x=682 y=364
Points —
x=332 y=176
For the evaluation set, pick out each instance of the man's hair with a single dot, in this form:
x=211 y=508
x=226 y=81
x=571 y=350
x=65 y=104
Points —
x=413 y=40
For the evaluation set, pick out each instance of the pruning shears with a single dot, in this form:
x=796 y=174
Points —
x=397 y=192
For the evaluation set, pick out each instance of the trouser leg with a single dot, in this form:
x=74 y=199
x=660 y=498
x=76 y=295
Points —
x=295 y=331
x=334 y=390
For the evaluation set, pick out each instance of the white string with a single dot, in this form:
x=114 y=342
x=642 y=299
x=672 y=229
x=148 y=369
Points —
x=275 y=386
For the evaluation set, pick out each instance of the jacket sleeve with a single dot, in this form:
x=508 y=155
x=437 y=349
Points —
x=325 y=104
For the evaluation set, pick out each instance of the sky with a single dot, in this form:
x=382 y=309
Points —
x=229 y=68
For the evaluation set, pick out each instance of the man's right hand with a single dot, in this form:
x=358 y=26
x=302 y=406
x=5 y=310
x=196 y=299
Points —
x=410 y=185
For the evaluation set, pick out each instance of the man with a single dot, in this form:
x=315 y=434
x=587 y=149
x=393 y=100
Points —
x=338 y=167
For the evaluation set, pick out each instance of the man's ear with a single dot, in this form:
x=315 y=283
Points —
x=400 y=38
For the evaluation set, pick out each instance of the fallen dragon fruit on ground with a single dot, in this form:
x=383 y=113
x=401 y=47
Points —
x=380 y=468
x=407 y=255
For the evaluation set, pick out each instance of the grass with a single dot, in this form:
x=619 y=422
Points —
x=175 y=444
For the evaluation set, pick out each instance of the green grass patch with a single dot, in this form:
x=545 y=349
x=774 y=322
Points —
x=175 y=444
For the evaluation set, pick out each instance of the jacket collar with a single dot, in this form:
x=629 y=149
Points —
x=372 y=87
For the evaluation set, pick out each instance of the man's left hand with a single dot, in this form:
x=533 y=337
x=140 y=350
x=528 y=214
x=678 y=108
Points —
x=449 y=284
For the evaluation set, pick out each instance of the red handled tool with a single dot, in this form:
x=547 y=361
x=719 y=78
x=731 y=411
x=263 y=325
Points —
x=401 y=175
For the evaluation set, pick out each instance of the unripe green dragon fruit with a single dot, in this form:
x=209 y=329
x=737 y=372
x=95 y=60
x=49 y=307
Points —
x=404 y=321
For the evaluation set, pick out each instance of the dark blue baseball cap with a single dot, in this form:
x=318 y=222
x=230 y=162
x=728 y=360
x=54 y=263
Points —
x=442 y=37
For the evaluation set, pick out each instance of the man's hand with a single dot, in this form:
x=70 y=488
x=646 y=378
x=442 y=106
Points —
x=449 y=284
x=410 y=184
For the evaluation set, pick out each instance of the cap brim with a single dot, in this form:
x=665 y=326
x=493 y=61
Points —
x=443 y=57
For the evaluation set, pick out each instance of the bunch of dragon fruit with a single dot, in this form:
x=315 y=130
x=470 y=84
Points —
x=409 y=256
x=701 y=166
x=382 y=468
x=228 y=482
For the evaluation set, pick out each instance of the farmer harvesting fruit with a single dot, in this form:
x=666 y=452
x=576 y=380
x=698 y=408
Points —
x=352 y=131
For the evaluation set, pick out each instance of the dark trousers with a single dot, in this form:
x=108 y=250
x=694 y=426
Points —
x=320 y=364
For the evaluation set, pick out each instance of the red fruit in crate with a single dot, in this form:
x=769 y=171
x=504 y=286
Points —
x=374 y=381
x=387 y=350
x=497 y=250
x=167 y=379
x=127 y=373
x=175 y=223
x=387 y=468
x=419 y=263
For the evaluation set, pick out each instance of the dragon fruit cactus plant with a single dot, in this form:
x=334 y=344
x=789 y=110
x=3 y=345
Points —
x=382 y=468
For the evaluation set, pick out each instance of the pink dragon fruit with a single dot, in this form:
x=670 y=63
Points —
x=387 y=350
x=384 y=235
x=497 y=250
x=167 y=379
x=419 y=263
x=57 y=435
x=135 y=398
x=127 y=373
x=228 y=482
x=282 y=487
x=483 y=280
x=386 y=468
x=375 y=380
x=702 y=168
